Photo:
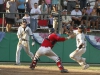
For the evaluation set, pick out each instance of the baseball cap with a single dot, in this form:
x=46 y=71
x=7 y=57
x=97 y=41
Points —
x=88 y=4
x=65 y=10
x=77 y=6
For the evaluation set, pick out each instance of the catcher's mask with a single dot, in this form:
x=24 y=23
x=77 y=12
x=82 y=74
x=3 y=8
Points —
x=52 y=30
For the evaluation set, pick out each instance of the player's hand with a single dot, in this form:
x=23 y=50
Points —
x=72 y=36
x=33 y=43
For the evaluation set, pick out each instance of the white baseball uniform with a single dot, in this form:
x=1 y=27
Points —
x=23 y=36
x=76 y=55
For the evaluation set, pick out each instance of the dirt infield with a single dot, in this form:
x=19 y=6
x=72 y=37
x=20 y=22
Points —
x=46 y=70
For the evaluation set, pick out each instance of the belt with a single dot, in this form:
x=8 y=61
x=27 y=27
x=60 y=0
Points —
x=24 y=40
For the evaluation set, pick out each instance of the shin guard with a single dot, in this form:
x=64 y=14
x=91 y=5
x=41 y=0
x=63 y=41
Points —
x=59 y=64
x=33 y=64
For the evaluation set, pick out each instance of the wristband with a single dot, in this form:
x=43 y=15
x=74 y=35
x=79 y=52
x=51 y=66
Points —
x=68 y=37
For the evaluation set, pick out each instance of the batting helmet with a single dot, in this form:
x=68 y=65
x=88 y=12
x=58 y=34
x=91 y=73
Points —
x=52 y=30
x=24 y=21
x=81 y=27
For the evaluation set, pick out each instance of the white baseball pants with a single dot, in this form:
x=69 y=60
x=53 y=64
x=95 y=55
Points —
x=76 y=55
x=25 y=45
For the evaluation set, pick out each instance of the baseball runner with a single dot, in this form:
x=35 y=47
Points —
x=81 y=47
x=23 y=35
x=46 y=49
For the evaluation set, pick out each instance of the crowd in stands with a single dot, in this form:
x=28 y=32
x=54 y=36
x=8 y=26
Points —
x=72 y=12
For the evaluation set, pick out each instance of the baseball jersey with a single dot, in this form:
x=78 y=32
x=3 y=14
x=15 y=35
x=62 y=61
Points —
x=51 y=40
x=24 y=33
x=80 y=38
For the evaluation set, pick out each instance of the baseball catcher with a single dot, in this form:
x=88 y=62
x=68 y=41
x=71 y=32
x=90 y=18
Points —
x=46 y=49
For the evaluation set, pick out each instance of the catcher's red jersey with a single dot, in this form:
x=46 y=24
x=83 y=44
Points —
x=51 y=40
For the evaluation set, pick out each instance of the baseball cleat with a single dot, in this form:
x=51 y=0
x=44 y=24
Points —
x=17 y=64
x=32 y=67
x=64 y=71
x=85 y=67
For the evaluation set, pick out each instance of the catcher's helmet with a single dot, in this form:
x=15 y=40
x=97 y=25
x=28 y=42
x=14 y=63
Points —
x=51 y=30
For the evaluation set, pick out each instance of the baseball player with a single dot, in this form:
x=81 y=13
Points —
x=46 y=49
x=23 y=35
x=81 y=47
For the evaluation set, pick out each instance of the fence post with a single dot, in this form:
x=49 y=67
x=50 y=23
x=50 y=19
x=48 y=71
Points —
x=3 y=23
x=59 y=21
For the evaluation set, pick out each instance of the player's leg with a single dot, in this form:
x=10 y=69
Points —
x=58 y=61
x=19 y=47
x=81 y=60
x=39 y=53
x=27 y=49
x=76 y=55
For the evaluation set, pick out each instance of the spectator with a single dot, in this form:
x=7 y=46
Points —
x=97 y=5
x=76 y=19
x=11 y=8
x=21 y=7
x=82 y=3
x=84 y=17
x=55 y=2
x=71 y=5
x=44 y=9
x=54 y=12
x=27 y=17
x=1 y=7
x=88 y=12
x=48 y=2
x=65 y=4
x=50 y=25
x=66 y=20
x=94 y=19
x=35 y=16
x=92 y=3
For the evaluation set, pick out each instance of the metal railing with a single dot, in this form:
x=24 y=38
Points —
x=58 y=15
